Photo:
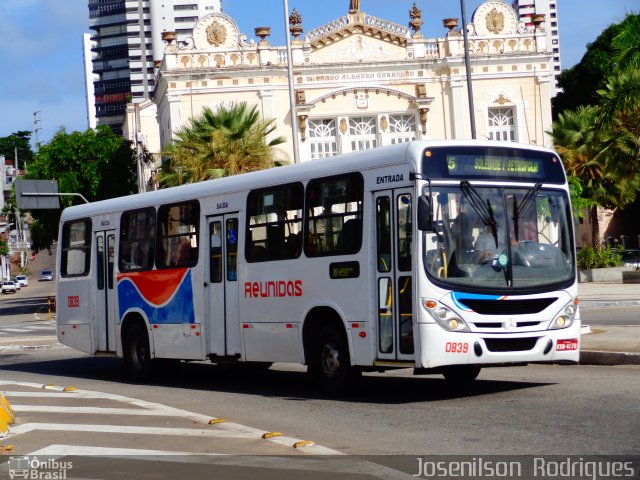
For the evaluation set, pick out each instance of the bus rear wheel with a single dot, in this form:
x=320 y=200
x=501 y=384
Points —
x=330 y=364
x=137 y=354
x=461 y=374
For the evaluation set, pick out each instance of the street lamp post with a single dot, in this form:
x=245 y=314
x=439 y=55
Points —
x=467 y=64
x=36 y=130
x=292 y=96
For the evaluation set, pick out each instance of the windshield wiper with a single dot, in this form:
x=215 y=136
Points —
x=517 y=211
x=485 y=212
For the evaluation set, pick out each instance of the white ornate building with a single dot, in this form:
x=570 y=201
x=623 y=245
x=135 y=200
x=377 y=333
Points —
x=361 y=81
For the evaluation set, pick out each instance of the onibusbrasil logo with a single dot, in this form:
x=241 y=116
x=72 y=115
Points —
x=38 y=468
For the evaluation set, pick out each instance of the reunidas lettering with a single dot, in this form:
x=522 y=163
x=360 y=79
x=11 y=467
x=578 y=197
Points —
x=273 y=289
x=390 y=179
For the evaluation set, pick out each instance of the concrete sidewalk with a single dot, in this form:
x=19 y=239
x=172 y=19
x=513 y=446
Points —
x=609 y=344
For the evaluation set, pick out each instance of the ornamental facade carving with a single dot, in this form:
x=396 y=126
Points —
x=495 y=18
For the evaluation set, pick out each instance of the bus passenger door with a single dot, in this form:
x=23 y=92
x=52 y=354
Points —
x=105 y=242
x=394 y=279
x=221 y=286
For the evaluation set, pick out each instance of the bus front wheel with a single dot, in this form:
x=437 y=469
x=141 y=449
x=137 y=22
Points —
x=136 y=352
x=330 y=363
x=461 y=374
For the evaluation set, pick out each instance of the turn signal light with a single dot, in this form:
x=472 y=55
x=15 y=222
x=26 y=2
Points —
x=431 y=304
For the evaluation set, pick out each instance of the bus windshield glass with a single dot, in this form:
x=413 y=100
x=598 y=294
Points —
x=499 y=238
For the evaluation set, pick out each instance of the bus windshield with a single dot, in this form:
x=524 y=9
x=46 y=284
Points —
x=499 y=238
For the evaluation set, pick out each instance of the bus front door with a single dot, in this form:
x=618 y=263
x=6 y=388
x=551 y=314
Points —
x=221 y=286
x=105 y=242
x=394 y=279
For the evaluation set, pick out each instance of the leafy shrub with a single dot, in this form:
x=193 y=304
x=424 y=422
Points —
x=598 y=257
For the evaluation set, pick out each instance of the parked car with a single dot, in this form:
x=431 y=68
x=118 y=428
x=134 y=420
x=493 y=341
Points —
x=22 y=280
x=46 y=275
x=630 y=258
x=9 y=286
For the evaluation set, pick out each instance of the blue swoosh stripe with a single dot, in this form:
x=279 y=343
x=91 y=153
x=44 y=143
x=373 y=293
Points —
x=179 y=309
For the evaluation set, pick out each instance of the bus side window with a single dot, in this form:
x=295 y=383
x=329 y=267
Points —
x=76 y=247
x=334 y=215
x=274 y=223
x=137 y=239
x=178 y=234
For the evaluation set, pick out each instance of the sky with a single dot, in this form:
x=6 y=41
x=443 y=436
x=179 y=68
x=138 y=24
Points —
x=41 y=60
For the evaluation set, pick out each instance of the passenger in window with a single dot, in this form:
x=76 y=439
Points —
x=182 y=252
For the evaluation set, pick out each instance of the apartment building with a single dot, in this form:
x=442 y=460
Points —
x=126 y=41
x=526 y=10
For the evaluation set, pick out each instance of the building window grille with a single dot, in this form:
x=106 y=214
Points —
x=402 y=128
x=501 y=124
x=322 y=138
x=362 y=131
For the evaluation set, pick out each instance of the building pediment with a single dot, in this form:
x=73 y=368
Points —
x=358 y=25
x=358 y=47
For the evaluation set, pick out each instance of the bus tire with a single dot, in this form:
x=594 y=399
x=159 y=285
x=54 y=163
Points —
x=461 y=374
x=330 y=363
x=136 y=353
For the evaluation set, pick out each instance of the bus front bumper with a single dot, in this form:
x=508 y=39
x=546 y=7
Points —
x=444 y=348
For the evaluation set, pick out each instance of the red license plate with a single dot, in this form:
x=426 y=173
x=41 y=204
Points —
x=564 y=345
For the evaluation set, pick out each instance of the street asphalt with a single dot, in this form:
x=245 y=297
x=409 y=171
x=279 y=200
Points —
x=600 y=345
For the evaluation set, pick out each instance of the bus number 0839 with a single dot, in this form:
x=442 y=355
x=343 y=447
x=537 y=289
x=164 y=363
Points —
x=456 y=347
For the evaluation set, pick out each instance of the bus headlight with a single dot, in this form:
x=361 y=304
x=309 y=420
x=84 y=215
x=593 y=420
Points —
x=565 y=318
x=445 y=317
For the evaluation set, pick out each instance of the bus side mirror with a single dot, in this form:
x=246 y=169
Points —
x=425 y=216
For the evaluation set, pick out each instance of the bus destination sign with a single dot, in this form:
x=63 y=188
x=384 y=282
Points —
x=491 y=163
x=457 y=164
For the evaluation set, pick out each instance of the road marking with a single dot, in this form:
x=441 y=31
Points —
x=181 y=432
x=81 y=450
x=152 y=409
x=88 y=410
x=348 y=466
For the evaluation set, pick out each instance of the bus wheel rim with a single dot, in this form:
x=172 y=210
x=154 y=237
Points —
x=330 y=362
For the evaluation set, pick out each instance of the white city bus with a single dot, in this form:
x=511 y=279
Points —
x=444 y=256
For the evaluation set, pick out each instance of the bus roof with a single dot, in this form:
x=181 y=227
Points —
x=356 y=161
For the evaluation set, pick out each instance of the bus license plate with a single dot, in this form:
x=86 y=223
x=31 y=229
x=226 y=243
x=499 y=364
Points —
x=565 y=345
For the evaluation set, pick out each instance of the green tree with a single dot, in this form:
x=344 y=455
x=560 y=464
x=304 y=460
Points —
x=227 y=141
x=619 y=107
x=98 y=164
x=18 y=141
x=597 y=127
x=580 y=83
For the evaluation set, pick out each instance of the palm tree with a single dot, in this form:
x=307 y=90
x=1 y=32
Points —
x=579 y=144
x=626 y=43
x=230 y=140
x=620 y=105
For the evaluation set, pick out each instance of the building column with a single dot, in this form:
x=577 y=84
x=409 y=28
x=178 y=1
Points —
x=175 y=115
x=545 y=84
x=459 y=111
